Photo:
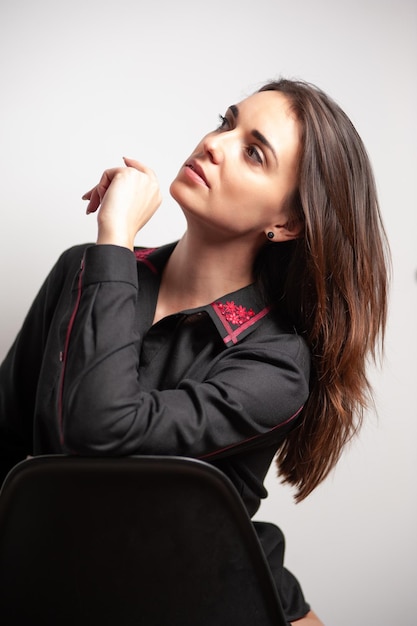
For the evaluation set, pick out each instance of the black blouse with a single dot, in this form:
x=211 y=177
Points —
x=90 y=374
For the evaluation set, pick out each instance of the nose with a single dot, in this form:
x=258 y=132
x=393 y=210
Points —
x=214 y=147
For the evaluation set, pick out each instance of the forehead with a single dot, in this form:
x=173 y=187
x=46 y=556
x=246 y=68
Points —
x=270 y=113
x=267 y=105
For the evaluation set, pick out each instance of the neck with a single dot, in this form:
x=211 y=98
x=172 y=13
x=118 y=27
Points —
x=200 y=271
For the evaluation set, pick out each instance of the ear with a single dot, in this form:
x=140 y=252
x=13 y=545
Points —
x=293 y=229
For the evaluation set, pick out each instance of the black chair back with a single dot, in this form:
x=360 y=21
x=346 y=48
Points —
x=143 y=541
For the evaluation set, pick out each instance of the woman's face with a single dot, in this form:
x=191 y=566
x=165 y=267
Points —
x=241 y=177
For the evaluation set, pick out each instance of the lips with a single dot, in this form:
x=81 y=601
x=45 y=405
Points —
x=195 y=167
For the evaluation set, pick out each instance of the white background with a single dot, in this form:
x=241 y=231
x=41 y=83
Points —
x=85 y=82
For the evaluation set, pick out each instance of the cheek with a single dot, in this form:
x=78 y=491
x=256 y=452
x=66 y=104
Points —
x=173 y=189
x=252 y=193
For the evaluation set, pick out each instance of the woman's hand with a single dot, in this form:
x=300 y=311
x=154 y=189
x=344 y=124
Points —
x=127 y=197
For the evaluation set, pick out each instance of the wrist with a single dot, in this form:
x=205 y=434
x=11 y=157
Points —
x=114 y=237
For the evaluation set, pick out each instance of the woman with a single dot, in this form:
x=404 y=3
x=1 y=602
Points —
x=245 y=340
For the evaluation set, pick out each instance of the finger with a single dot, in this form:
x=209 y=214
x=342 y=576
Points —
x=105 y=181
x=137 y=165
x=87 y=194
x=97 y=193
x=94 y=201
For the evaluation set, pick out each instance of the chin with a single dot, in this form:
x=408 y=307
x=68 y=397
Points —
x=179 y=190
x=181 y=193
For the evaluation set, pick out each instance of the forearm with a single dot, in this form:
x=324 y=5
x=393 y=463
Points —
x=99 y=358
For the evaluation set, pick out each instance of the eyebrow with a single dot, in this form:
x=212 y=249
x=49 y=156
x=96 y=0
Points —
x=235 y=112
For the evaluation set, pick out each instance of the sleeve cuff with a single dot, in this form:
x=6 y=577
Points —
x=109 y=263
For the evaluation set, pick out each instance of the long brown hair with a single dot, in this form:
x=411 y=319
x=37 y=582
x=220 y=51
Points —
x=334 y=287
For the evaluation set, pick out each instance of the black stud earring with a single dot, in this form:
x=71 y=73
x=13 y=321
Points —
x=270 y=235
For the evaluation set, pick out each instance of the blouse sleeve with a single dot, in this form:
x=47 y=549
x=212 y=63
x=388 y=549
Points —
x=250 y=390
x=20 y=369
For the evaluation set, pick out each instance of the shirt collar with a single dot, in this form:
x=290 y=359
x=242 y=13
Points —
x=235 y=315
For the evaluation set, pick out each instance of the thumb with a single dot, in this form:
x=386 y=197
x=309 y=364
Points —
x=137 y=165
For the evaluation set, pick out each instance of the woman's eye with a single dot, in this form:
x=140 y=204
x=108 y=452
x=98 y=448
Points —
x=223 y=124
x=254 y=154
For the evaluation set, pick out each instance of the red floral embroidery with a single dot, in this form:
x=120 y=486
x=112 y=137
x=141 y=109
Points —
x=235 y=313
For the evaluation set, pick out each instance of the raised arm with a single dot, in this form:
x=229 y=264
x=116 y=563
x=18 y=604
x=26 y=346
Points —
x=244 y=392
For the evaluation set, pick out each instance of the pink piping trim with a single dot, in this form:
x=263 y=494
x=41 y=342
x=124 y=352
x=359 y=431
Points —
x=142 y=257
x=233 y=334
x=149 y=264
x=64 y=354
x=233 y=445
